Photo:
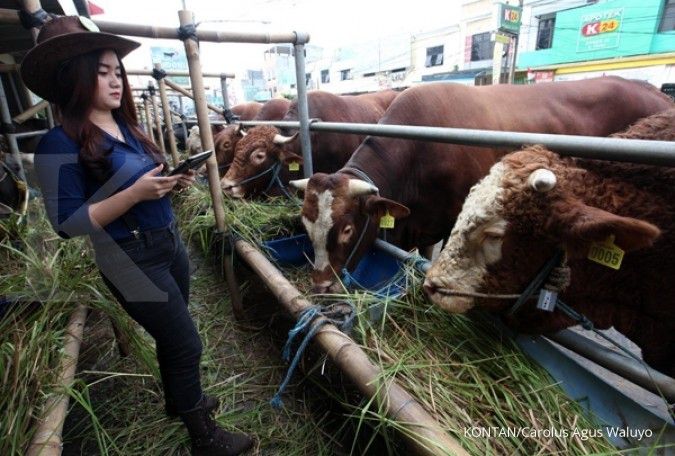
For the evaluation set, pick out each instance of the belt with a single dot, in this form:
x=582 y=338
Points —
x=147 y=235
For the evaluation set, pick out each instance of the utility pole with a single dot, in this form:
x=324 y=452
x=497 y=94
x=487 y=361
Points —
x=512 y=71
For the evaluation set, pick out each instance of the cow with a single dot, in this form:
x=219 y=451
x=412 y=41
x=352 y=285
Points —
x=13 y=191
x=264 y=147
x=227 y=139
x=534 y=203
x=248 y=110
x=424 y=183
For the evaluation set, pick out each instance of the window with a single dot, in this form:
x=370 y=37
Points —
x=308 y=78
x=668 y=19
x=545 y=31
x=325 y=76
x=368 y=75
x=434 y=56
x=481 y=47
x=345 y=74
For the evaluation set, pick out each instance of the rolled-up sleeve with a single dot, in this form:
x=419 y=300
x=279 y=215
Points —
x=63 y=184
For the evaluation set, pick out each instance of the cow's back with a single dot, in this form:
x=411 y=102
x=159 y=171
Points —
x=248 y=110
x=274 y=109
x=420 y=174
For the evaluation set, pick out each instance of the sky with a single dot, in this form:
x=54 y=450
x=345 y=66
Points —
x=330 y=24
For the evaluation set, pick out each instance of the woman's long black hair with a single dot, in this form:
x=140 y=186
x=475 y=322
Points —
x=76 y=83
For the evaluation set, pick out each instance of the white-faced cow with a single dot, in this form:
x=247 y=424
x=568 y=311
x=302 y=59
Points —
x=225 y=141
x=533 y=203
x=264 y=147
x=342 y=211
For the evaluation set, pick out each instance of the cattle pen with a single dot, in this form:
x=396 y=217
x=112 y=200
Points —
x=421 y=430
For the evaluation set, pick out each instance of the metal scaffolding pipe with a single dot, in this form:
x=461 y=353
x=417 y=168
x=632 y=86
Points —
x=400 y=406
x=223 y=88
x=303 y=110
x=29 y=134
x=630 y=150
x=630 y=369
x=6 y=119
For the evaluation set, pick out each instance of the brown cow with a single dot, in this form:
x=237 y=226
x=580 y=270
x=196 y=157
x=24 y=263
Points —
x=264 y=147
x=227 y=139
x=248 y=110
x=533 y=203
x=432 y=179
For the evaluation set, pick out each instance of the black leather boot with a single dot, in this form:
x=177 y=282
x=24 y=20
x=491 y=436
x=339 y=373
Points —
x=207 y=438
x=211 y=403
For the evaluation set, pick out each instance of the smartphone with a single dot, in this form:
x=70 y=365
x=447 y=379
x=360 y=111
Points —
x=193 y=162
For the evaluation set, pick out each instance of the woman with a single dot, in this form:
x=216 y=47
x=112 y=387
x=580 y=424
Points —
x=101 y=176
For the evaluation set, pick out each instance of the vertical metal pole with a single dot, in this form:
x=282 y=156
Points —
x=168 y=122
x=223 y=85
x=158 y=120
x=194 y=64
x=180 y=105
x=303 y=110
x=11 y=139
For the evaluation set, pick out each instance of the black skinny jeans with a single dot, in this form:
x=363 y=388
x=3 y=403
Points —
x=150 y=277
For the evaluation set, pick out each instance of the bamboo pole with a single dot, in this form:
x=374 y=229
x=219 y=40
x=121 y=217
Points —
x=47 y=439
x=184 y=92
x=9 y=67
x=168 y=123
x=148 y=119
x=197 y=82
x=177 y=73
x=348 y=356
x=158 y=120
x=30 y=112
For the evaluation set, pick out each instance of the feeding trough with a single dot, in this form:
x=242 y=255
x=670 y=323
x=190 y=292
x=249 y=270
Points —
x=378 y=271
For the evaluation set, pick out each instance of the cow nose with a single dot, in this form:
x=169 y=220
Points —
x=430 y=286
x=322 y=287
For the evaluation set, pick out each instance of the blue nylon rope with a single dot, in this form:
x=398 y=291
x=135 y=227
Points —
x=305 y=320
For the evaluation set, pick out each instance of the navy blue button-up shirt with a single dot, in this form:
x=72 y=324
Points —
x=68 y=190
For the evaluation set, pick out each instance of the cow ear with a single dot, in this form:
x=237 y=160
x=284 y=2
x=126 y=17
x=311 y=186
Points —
x=287 y=156
x=376 y=207
x=586 y=224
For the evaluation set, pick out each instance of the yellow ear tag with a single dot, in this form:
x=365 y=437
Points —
x=387 y=221
x=294 y=166
x=606 y=253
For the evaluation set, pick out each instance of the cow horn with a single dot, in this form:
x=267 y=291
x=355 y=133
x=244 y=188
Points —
x=281 y=139
x=542 y=180
x=300 y=184
x=358 y=187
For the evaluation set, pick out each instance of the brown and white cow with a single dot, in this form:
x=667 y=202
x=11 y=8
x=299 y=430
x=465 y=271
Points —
x=534 y=202
x=264 y=146
x=225 y=141
x=431 y=180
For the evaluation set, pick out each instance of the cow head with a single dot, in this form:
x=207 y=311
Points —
x=261 y=149
x=224 y=144
x=335 y=212
x=512 y=222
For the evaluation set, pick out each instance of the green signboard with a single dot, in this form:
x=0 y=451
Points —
x=600 y=30
x=509 y=18
x=171 y=59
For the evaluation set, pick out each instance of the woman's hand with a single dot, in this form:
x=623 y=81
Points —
x=150 y=186
x=186 y=180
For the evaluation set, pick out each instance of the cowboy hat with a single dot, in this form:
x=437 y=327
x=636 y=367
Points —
x=60 y=39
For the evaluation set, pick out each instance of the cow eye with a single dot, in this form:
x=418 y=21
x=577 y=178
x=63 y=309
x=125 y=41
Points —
x=258 y=156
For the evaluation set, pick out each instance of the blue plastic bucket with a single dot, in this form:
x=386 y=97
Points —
x=375 y=272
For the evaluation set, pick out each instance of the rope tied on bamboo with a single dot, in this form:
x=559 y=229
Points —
x=158 y=74
x=310 y=321
x=35 y=19
x=188 y=32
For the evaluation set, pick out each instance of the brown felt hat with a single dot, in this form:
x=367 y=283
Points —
x=60 y=39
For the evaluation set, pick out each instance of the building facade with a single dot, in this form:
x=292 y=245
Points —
x=576 y=40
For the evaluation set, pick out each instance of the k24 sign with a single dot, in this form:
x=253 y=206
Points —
x=600 y=30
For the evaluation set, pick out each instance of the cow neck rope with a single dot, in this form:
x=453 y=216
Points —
x=275 y=169
x=347 y=278
x=553 y=276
